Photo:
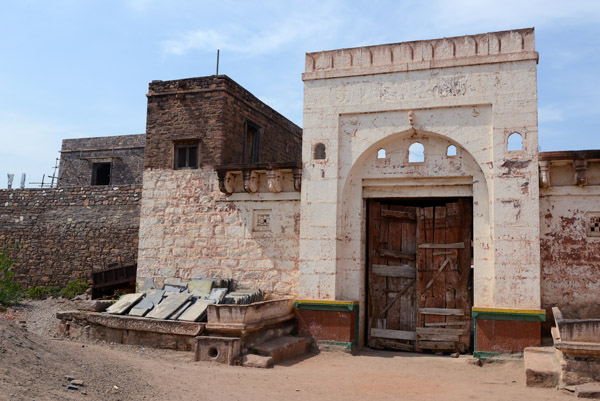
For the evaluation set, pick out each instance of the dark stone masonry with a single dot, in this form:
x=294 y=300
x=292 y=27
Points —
x=57 y=235
x=217 y=114
x=83 y=160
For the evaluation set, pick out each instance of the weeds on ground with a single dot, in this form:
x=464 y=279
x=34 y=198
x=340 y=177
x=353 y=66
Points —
x=54 y=292
x=11 y=292
x=74 y=288
x=37 y=292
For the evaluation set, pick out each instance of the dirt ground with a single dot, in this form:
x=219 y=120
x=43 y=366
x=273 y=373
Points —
x=33 y=366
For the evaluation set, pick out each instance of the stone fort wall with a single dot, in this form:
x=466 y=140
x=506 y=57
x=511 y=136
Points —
x=57 y=235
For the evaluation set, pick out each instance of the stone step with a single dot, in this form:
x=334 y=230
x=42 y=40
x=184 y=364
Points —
x=257 y=361
x=541 y=367
x=282 y=348
x=588 y=390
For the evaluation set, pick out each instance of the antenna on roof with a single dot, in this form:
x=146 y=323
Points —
x=217 y=61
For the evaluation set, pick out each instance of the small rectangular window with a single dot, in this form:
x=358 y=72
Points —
x=251 y=142
x=186 y=156
x=101 y=173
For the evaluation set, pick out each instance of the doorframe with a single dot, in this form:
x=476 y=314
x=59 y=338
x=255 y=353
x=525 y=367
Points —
x=408 y=201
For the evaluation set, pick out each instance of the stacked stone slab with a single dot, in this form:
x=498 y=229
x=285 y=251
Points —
x=185 y=301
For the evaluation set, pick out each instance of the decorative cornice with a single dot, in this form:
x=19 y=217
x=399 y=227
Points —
x=494 y=47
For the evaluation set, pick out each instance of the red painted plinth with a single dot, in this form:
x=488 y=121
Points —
x=502 y=336
x=327 y=325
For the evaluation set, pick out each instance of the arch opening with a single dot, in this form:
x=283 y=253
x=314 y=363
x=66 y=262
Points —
x=515 y=142
x=416 y=153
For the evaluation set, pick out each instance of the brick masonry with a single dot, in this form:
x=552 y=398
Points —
x=189 y=230
x=125 y=152
x=57 y=235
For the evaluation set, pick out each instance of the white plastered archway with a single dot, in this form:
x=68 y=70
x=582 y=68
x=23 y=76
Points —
x=438 y=175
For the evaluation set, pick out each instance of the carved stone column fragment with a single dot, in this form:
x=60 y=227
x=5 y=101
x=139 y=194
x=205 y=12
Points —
x=297 y=174
x=225 y=182
x=274 y=181
x=250 y=181
x=580 y=172
x=544 y=174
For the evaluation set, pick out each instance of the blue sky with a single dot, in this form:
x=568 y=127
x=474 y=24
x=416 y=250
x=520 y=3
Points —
x=80 y=68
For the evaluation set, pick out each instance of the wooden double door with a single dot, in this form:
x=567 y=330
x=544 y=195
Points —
x=419 y=265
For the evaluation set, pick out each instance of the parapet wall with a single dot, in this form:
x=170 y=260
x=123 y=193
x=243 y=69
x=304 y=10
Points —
x=57 y=235
x=485 y=48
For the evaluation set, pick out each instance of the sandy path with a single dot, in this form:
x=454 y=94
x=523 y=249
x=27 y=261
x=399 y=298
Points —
x=33 y=366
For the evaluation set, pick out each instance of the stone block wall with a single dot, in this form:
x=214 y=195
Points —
x=124 y=152
x=57 y=235
x=190 y=230
x=211 y=112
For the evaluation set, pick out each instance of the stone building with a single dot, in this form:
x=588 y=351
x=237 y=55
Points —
x=90 y=220
x=414 y=211
x=425 y=242
x=110 y=160
x=198 y=130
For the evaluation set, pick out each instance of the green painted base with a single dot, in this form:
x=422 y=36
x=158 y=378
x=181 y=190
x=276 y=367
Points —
x=497 y=356
x=341 y=346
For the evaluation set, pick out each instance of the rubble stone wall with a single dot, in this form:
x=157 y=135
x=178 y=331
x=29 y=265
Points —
x=57 y=235
x=189 y=230
x=125 y=152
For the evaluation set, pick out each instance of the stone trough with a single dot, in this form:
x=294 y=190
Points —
x=573 y=361
x=230 y=331
x=576 y=337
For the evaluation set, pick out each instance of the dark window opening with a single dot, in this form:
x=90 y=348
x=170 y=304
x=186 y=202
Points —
x=320 y=152
x=101 y=173
x=186 y=156
x=251 y=141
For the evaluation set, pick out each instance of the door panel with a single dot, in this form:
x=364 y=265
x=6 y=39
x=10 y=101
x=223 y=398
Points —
x=392 y=273
x=419 y=261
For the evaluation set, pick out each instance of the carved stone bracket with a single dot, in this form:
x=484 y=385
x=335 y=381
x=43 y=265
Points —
x=580 y=172
x=297 y=174
x=274 y=181
x=544 y=174
x=250 y=181
x=223 y=187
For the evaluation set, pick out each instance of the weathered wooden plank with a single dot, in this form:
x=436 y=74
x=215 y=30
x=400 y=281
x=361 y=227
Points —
x=389 y=253
x=433 y=330
x=441 y=311
x=437 y=337
x=437 y=274
x=456 y=245
x=394 y=334
x=397 y=298
x=446 y=324
x=394 y=344
x=403 y=271
x=444 y=345
x=399 y=214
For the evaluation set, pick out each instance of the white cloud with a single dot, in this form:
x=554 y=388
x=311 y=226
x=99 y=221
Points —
x=276 y=33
